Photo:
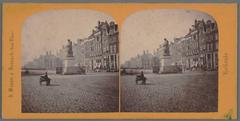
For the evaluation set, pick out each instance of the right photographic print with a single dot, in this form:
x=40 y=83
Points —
x=169 y=62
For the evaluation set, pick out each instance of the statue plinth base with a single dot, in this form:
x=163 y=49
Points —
x=69 y=66
x=166 y=66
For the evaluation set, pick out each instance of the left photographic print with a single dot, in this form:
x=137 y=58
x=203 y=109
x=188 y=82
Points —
x=70 y=62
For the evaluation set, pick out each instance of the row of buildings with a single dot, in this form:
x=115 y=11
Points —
x=102 y=50
x=197 y=50
x=144 y=60
x=98 y=51
x=45 y=61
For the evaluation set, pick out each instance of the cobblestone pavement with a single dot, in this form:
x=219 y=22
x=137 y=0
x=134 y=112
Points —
x=195 y=92
x=94 y=92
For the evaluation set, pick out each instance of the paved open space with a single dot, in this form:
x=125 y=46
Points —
x=94 y=92
x=192 y=92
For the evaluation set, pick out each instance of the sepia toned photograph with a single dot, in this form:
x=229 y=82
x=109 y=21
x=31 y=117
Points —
x=70 y=62
x=119 y=61
x=169 y=62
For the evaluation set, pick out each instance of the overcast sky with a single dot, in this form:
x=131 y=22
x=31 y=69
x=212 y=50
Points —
x=50 y=30
x=147 y=29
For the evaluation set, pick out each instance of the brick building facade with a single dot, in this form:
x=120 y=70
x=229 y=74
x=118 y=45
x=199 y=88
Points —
x=197 y=50
x=102 y=47
x=99 y=51
x=200 y=46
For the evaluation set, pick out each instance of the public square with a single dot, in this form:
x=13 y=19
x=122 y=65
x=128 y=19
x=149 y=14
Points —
x=187 y=92
x=93 y=92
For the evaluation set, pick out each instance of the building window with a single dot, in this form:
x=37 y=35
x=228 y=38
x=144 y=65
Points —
x=114 y=49
x=112 y=57
x=216 y=45
x=109 y=49
x=212 y=48
x=216 y=59
x=216 y=36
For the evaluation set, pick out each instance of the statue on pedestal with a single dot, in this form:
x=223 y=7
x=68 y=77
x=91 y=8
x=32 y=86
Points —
x=69 y=49
x=69 y=66
x=166 y=51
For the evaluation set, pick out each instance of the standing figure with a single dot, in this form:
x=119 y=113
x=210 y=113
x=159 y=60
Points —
x=166 y=48
x=69 y=49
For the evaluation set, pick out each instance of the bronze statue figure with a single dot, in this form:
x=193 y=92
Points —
x=166 y=48
x=69 y=49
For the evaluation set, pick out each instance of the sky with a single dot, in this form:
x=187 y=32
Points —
x=145 y=30
x=49 y=30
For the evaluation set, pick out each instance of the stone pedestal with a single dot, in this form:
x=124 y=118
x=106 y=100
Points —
x=68 y=67
x=165 y=64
